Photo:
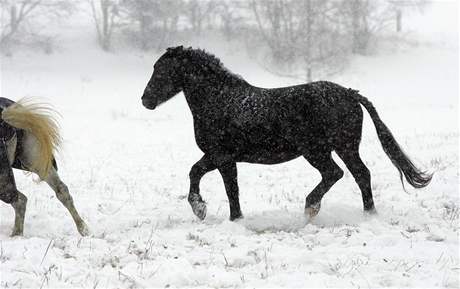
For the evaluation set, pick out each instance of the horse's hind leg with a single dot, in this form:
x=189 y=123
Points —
x=198 y=170
x=29 y=154
x=347 y=148
x=360 y=173
x=330 y=174
x=19 y=207
x=63 y=195
x=8 y=191
x=229 y=175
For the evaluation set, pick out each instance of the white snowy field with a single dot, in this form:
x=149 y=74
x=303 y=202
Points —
x=127 y=169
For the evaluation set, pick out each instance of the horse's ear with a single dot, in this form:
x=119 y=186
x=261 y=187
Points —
x=175 y=49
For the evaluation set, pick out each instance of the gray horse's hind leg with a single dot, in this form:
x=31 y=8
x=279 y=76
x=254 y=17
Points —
x=30 y=151
x=8 y=191
x=63 y=195
x=19 y=207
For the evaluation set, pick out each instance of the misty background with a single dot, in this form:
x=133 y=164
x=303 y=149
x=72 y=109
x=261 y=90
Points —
x=127 y=167
x=302 y=39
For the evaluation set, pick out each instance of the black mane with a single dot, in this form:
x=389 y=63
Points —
x=202 y=57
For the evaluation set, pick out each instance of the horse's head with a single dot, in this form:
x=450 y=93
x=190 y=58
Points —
x=166 y=80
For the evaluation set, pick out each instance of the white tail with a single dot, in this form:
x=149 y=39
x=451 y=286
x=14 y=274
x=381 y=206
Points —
x=37 y=119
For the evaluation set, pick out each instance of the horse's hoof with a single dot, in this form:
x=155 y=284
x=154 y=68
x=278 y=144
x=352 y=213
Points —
x=371 y=212
x=199 y=209
x=83 y=230
x=236 y=218
x=312 y=210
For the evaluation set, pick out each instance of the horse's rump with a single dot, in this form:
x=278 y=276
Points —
x=37 y=120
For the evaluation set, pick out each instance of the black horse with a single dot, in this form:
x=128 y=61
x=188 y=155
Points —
x=237 y=122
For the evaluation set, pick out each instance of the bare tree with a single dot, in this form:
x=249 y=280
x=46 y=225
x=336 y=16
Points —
x=301 y=34
x=105 y=13
x=366 y=19
x=16 y=14
x=360 y=30
x=230 y=14
x=399 y=6
x=152 y=23
x=197 y=12
x=140 y=13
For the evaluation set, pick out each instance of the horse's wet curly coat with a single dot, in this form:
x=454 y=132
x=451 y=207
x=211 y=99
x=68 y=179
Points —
x=237 y=122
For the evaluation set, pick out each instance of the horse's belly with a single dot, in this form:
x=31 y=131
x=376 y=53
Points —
x=266 y=149
x=267 y=157
x=263 y=144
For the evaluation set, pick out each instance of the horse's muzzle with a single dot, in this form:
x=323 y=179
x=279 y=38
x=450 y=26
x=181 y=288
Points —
x=148 y=103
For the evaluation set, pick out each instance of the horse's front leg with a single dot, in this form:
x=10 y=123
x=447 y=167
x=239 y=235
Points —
x=198 y=170
x=229 y=175
x=63 y=195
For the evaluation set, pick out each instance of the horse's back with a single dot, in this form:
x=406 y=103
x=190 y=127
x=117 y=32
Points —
x=317 y=113
x=275 y=125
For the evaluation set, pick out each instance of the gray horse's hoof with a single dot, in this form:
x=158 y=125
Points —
x=16 y=233
x=199 y=209
x=83 y=229
x=312 y=210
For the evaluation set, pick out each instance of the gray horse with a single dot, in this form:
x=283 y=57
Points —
x=29 y=137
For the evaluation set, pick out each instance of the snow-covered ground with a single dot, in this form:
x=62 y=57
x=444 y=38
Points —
x=127 y=169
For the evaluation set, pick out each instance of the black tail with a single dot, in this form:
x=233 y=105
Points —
x=414 y=176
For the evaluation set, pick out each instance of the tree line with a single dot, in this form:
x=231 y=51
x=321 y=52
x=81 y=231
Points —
x=312 y=36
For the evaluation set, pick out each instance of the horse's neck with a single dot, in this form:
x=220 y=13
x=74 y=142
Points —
x=199 y=86
x=203 y=87
x=197 y=94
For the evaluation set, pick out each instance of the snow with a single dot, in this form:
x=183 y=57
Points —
x=127 y=169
